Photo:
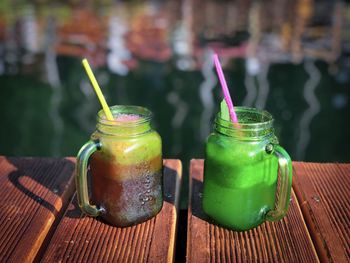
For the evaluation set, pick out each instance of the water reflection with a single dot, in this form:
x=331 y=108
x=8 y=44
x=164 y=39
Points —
x=118 y=53
x=53 y=78
x=313 y=108
x=289 y=57
x=205 y=91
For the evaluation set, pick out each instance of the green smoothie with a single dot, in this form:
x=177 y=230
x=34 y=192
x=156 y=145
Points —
x=240 y=176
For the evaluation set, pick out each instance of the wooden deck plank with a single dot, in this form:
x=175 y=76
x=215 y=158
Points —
x=84 y=239
x=323 y=190
x=287 y=240
x=33 y=195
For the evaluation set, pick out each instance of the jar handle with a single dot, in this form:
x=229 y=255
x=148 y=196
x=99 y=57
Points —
x=81 y=178
x=285 y=167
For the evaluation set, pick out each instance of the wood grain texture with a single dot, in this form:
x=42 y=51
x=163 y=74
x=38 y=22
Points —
x=284 y=241
x=84 y=239
x=33 y=194
x=323 y=190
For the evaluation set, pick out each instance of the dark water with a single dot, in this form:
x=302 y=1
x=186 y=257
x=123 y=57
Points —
x=295 y=64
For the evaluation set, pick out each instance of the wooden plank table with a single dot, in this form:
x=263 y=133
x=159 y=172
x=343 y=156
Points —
x=323 y=191
x=84 y=239
x=287 y=240
x=33 y=194
x=39 y=222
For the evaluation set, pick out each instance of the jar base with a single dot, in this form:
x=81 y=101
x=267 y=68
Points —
x=123 y=223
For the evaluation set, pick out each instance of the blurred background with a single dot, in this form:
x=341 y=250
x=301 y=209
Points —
x=290 y=57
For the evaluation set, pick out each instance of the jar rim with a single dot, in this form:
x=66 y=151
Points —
x=264 y=118
x=144 y=113
x=253 y=124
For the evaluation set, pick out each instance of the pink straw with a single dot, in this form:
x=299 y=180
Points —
x=225 y=90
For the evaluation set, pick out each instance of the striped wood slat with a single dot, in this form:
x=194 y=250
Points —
x=84 y=239
x=323 y=190
x=33 y=195
x=284 y=241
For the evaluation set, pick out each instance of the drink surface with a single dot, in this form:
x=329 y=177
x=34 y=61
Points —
x=127 y=117
x=127 y=174
x=239 y=181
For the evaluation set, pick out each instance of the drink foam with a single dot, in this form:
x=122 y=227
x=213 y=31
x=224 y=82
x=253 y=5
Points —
x=127 y=117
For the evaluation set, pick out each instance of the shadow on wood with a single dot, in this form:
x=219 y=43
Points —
x=197 y=190
x=80 y=238
x=34 y=193
x=27 y=174
x=286 y=240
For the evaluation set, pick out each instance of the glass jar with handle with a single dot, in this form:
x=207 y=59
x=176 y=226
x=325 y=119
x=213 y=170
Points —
x=247 y=174
x=125 y=160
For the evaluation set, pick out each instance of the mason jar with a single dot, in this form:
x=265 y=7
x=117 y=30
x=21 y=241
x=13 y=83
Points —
x=247 y=174
x=126 y=168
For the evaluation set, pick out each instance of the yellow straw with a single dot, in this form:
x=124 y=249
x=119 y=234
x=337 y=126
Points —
x=97 y=90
